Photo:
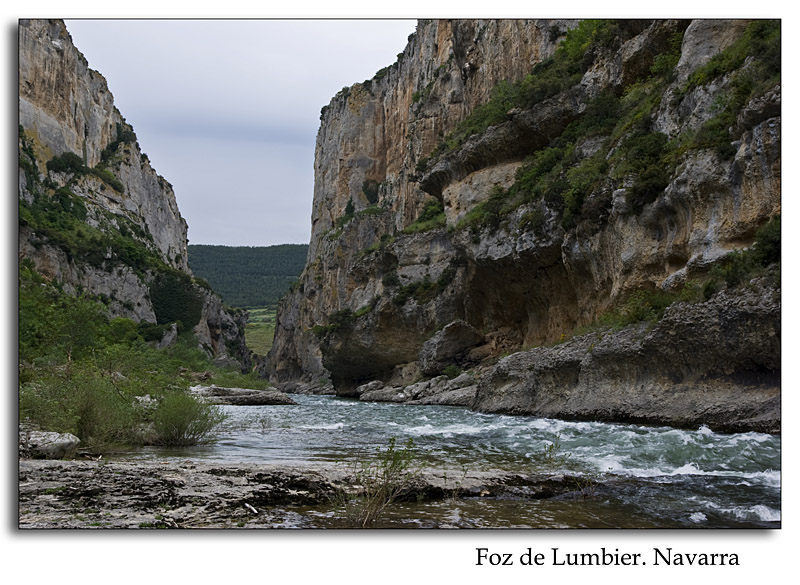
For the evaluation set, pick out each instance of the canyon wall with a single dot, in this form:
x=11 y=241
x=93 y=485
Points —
x=79 y=159
x=656 y=175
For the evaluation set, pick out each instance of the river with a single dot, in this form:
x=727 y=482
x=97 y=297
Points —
x=649 y=476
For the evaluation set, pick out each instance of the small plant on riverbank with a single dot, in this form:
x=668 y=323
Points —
x=553 y=455
x=452 y=491
x=379 y=481
x=180 y=420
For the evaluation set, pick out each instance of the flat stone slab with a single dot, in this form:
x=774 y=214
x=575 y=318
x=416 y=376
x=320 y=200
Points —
x=186 y=494
x=241 y=396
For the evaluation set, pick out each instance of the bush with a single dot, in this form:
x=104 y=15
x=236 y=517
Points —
x=563 y=70
x=338 y=321
x=379 y=482
x=81 y=400
x=451 y=371
x=767 y=246
x=69 y=162
x=649 y=305
x=370 y=189
x=175 y=298
x=743 y=265
x=107 y=177
x=432 y=217
x=426 y=290
x=181 y=420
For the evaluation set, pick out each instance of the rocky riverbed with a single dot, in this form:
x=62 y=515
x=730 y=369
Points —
x=98 y=494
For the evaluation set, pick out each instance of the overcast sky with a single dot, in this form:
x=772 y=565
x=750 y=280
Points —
x=228 y=110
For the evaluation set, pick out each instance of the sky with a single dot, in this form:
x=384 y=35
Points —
x=228 y=110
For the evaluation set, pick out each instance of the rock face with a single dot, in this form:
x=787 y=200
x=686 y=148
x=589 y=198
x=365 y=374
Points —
x=715 y=363
x=66 y=107
x=413 y=231
x=446 y=345
x=130 y=212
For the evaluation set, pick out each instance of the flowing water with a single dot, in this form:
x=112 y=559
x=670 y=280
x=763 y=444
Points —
x=650 y=476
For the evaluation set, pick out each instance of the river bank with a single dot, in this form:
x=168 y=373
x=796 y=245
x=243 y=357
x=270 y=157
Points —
x=288 y=466
x=121 y=495
x=169 y=494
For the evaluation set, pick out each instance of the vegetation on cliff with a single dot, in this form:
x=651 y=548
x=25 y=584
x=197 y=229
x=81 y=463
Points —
x=632 y=151
x=83 y=368
x=573 y=57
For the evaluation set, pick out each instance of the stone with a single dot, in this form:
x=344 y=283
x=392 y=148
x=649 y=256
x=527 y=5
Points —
x=169 y=338
x=36 y=444
x=446 y=344
x=240 y=396
x=369 y=387
x=186 y=494
x=384 y=394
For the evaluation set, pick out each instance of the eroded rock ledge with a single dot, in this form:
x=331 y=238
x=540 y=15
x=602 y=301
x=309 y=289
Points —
x=240 y=396
x=89 y=494
x=714 y=363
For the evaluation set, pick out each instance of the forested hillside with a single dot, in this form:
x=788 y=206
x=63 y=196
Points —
x=248 y=276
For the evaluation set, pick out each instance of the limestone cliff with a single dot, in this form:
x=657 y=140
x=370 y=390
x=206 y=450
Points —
x=94 y=214
x=525 y=178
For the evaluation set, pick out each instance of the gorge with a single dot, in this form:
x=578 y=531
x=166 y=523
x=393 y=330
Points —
x=546 y=253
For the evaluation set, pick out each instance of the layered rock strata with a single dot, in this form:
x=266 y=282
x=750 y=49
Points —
x=386 y=278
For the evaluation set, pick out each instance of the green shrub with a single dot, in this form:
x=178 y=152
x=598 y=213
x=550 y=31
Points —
x=664 y=63
x=80 y=372
x=451 y=371
x=108 y=178
x=761 y=43
x=645 y=155
x=378 y=482
x=574 y=56
x=339 y=321
x=761 y=40
x=370 y=189
x=432 y=217
x=767 y=245
x=426 y=290
x=181 y=420
x=69 y=162
x=175 y=298
x=152 y=331
x=82 y=400
x=649 y=305
x=743 y=265
x=349 y=214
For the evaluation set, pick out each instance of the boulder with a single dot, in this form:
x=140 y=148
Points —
x=369 y=387
x=446 y=345
x=36 y=444
x=384 y=394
